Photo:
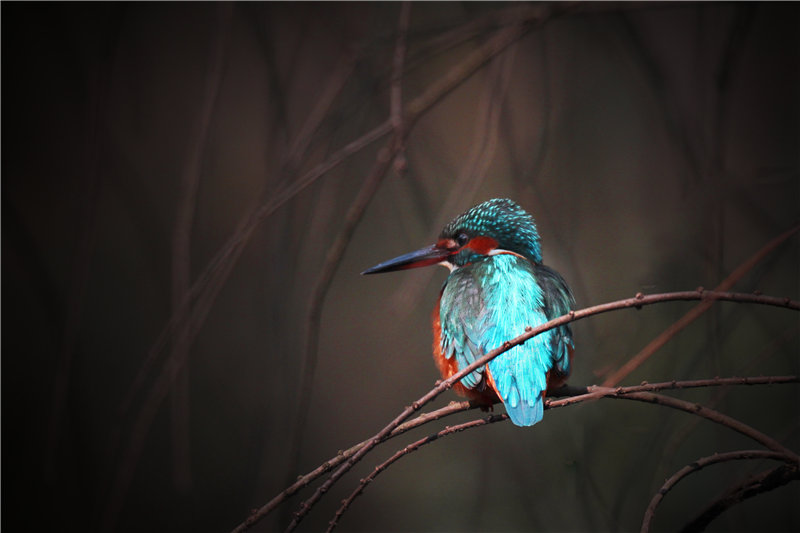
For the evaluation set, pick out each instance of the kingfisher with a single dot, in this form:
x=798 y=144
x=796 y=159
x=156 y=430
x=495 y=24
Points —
x=497 y=286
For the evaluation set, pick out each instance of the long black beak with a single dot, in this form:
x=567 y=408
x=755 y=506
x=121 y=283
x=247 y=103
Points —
x=430 y=255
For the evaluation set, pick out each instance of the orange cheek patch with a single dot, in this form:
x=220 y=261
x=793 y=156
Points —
x=482 y=245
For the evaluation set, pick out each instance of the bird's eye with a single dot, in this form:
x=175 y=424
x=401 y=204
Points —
x=462 y=239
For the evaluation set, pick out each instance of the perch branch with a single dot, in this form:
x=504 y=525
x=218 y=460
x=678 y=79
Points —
x=699 y=465
x=581 y=394
x=636 y=302
x=573 y=395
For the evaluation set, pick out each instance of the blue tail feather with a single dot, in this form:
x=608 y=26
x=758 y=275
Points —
x=525 y=412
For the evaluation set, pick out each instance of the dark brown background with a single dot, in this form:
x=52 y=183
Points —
x=656 y=146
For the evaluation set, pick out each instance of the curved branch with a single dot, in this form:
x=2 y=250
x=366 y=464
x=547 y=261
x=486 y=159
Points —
x=752 y=486
x=573 y=395
x=341 y=456
x=449 y=430
x=699 y=465
x=710 y=414
x=593 y=392
x=585 y=394
x=636 y=302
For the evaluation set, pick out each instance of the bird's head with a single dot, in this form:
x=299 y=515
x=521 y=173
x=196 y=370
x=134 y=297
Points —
x=492 y=227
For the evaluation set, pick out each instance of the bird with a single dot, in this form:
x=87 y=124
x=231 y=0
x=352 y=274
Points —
x=496 y=287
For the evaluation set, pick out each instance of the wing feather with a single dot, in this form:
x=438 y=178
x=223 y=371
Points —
x=491 y=301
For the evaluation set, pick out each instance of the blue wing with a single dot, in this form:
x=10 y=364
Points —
x=491 y=301
x=558 y=300
x=464 y=320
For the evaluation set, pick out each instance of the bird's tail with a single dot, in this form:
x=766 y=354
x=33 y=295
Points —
x=521 y=411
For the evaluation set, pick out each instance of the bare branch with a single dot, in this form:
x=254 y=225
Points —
x=653 y=346
x=677 y=438
x=699 y=465
x=636 y=302
x=710 y=414
x=573 y=395
x=449 y=430
x=329 y=267
x=753 y=486
x=302 y=481
x=584 y=394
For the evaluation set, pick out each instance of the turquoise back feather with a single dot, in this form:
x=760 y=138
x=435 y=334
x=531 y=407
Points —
x=492 y=300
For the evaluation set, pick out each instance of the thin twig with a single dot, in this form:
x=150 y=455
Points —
x=710 y=414
x=637 y=301
x=329 y=267
x=678 y=437
x=583 y=394
x=302 y=481
x=699 y=465
x=449 y=430
x=573 y=395
x=653 y=346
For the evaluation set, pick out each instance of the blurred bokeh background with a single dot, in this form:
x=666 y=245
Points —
x=179 y=179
